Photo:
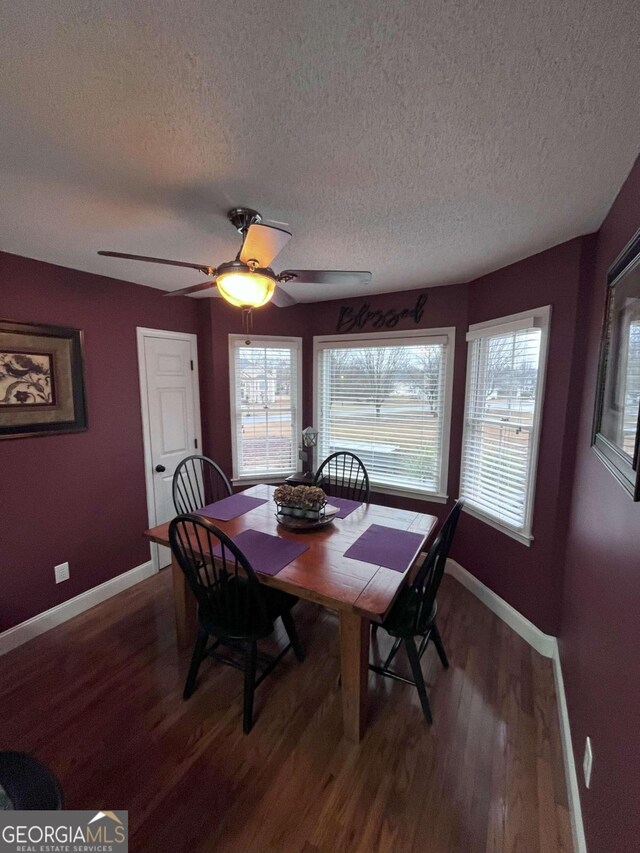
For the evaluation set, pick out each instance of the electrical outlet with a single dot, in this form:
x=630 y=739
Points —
x=587 y=762
x=62 y=572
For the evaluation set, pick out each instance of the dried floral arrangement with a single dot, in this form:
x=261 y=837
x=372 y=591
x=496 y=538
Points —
x=300 y=497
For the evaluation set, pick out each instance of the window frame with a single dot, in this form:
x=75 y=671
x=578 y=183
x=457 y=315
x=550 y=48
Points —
x=276 y=341
x=540 y=318
x=352 y=340
x=611 y=453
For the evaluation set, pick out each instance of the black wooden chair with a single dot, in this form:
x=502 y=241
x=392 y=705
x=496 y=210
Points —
x=234 y=608
x=28 y=784
x=198 y=481
x=343 y=475
x=414 y=612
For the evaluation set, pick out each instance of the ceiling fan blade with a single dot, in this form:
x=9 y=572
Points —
x=202 y=267
x=282 y=299
x=326 y=276
x=262 y=243
x=194 y=288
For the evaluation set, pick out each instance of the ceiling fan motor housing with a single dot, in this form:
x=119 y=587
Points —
x=243 y=217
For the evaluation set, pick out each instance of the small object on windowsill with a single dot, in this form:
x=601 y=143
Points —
x=300 y=478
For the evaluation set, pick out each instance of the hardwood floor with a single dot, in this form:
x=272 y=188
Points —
x=99 y=700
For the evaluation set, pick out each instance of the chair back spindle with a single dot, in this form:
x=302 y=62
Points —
x=198 y=481
x=343 y=475
x=228 y=592
x=427 y=581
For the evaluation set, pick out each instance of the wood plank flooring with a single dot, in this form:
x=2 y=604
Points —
x=99 y=700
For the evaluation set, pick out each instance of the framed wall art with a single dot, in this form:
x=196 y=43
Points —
x=616 y=423
x=41 y=380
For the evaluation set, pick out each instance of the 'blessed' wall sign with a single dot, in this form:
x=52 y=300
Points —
x=357 y=318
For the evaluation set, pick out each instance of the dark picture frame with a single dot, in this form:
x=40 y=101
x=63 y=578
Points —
x=616 y=421
x=42 y=388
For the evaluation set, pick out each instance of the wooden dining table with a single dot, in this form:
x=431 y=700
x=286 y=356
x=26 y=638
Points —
x=360 y=592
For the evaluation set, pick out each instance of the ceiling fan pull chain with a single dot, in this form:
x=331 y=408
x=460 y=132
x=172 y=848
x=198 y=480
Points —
x=247 y=320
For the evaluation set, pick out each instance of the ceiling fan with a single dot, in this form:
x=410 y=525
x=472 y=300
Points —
x=248 y=281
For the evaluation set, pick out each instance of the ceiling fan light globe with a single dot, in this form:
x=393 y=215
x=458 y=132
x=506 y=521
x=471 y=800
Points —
x=246 y=289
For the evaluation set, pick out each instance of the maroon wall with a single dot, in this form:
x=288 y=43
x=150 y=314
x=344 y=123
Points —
x=79 y=497
x=530 y=577
x=600 y=634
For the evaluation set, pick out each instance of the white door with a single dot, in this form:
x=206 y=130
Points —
x=171 y=410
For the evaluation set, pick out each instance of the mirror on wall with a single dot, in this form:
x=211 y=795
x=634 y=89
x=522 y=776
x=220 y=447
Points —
x=616 y=427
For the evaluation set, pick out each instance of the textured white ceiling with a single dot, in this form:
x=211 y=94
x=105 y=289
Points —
x=427 y=141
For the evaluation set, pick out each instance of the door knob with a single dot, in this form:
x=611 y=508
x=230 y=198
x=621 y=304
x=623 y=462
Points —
x=160 y=469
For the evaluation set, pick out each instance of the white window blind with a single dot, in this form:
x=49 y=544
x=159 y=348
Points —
x=387 y=401
x=265 y=379
x=502 y=415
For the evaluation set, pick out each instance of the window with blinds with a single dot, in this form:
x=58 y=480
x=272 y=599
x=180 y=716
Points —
x=265 y=383
x=387 y=398
x=505 y=380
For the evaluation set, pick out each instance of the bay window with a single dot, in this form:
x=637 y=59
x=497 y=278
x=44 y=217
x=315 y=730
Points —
x=387 y=398
x=503 y=408
x=265 y=376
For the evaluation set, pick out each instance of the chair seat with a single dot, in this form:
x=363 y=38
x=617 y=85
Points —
x=401 y=621
x=249 y=622
x=28 y=784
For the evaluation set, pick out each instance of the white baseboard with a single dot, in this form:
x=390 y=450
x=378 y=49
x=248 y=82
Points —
x=543 y=643
x=26 y=631
x=547 y=646
x=579 y=839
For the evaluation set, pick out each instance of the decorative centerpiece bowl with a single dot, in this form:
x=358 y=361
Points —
x=300 y=502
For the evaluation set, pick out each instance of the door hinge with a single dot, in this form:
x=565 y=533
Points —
x=195 y=441
x=191 y=363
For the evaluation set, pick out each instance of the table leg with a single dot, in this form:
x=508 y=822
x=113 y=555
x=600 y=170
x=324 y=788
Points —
x=185 y=607
x=354 y=663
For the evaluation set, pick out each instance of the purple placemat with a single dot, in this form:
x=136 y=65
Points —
x=386 y=546
x=231 y=507
x=267 y=554
x=345 y=505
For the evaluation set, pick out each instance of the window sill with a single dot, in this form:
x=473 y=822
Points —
x=257 y=481
x=523 y=538
x=430 y=497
